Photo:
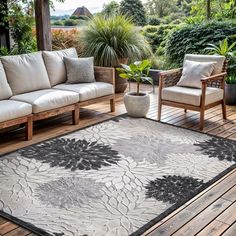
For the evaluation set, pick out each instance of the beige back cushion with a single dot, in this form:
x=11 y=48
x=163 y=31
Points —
x=54 y=61
x=208 y=58
x=26 y=73
x=194 y=71
x=5 y=90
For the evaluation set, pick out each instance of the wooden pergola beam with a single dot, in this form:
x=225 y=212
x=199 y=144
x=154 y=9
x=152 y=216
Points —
x=43 y=26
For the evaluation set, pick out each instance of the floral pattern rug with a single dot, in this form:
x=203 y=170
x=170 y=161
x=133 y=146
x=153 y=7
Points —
x=115 y=178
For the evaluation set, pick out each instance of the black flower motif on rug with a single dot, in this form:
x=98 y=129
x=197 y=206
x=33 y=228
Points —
x=72 y=154
x=223 y=149
x=173 y=189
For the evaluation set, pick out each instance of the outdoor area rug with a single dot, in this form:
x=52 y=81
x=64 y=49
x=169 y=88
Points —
x=118 y=177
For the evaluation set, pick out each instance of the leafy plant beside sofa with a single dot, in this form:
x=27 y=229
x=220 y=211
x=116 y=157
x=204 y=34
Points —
x=136 y=103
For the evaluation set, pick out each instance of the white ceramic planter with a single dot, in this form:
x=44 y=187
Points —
x=137 y=106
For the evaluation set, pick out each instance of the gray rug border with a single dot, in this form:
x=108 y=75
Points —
x=151 y=223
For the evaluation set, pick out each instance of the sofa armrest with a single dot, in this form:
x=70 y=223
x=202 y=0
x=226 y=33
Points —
x=105 y=74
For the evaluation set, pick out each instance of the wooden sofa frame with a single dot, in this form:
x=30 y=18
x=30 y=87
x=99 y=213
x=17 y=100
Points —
x=170 y=78
x=102 y=74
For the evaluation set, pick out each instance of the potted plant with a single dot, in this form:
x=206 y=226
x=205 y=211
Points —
x=230 y=90
x=136 y=103
x=224 y=49
x=113 y=41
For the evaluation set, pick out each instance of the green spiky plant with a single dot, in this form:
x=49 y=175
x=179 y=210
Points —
x=223 y=48
x=137 y=71
x=113 y=38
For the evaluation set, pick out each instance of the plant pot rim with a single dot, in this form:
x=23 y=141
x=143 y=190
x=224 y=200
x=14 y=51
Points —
x=134 y=94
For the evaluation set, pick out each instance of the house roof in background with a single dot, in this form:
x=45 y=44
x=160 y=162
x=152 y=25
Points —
x=82 y=11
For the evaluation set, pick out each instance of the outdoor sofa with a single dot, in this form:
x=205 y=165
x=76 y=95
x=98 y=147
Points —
x=33 y=87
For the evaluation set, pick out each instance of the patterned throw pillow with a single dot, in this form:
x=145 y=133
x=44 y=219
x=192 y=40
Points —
x=79 y=70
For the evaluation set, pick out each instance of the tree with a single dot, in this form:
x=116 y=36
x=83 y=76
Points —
x=161 y=8
x=208 y=9
x=134 y=9
x=111 y=9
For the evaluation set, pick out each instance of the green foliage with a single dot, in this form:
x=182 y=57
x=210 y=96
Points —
x=231 y=79
x=220 y=9
x=157 y=36
x=161 y=8
x=134 y=9
x=21 y=30
x=113 y=38
x=137 y=71
x=154 y=20
x=222 y=48
x=194 y=39
x=111 y=9
x=70 y=22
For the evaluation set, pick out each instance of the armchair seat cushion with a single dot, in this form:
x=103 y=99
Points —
x=88 y=91
x=13 y=109
x=47 y=99
x=191 y=96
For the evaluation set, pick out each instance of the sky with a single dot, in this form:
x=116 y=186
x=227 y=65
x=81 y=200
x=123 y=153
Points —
x=70 y=5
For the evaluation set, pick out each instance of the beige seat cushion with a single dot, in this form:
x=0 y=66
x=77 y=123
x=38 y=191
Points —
x=88 y=91
x=5 y=90
x=26 y=73
x=219 y=60
x=54 y=62
x=191 y=96
x=48 y=99
x=13 y=109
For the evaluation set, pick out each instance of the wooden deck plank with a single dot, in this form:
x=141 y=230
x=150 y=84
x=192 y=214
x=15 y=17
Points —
x=213 y=229
x=18 y=231
x=201 y=220
x=231 y=231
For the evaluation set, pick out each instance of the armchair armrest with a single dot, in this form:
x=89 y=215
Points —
x=215 y=80
x=104 y=74
x=170 y=78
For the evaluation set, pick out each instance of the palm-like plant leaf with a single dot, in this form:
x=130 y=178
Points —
x=109 y=39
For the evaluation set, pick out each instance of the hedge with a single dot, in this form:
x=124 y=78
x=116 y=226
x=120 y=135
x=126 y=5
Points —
x=194 y=39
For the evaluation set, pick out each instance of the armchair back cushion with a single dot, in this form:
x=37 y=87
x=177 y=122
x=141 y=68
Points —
x=219 y=60
x=5 y=90
x=193 y=72
x=26 y=73
x=54 y=62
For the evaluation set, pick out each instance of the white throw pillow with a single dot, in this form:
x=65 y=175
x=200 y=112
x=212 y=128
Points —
x=194 y=71
x=79 y=70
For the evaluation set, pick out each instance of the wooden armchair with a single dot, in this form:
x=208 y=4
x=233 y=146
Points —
x=212 y=92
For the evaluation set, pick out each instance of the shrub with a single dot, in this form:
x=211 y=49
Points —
x=110 y=39
x=154 y=20
x=62 y=39
x=70 y=22
x=194 y=38
x=157 y=35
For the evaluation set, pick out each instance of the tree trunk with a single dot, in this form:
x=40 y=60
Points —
x=208 y=9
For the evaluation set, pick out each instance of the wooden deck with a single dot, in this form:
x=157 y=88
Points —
x=211 y=213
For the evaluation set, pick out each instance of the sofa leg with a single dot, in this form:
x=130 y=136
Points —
x=29 y=128
x=202 y=115
x=75 y=115
x=224 y=110
x=185 y=110
x=112 y=105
